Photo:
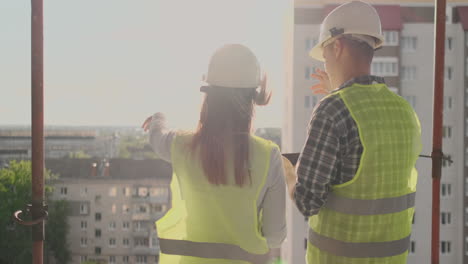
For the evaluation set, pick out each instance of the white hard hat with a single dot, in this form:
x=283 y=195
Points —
x=233 y=66
x=356 y=19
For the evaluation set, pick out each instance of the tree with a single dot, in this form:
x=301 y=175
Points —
x=15 y=192
x=136 y=147
x=57 y=228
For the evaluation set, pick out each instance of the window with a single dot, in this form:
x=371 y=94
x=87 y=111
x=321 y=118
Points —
x=113 y=209
x=112 y=242
x=448 y=73
x=314 y=42
x=449 y=43
x=126 y=191
x=385 y=66
x=125 y=209
x=307 y=73
x=466 y=97
x=446 y=218
x=408 y=73
x=159 y=191
x=97 y=217
x=411 y=100
x=63 y=190
x=466 y=216
x=466 y=157
x=448 y=103
x=141 y=259
x=391 y=38
x=314 y=101
x=126 y=242
x=97 y=250
x=466 y=127
x=466 y=190
x=84 y=191
x=112 y=191
x=97 y=198
x=112 y=260
x=84 y=225
x=125 y=225
x=142 y=209
x=112 y=225
x=409 y=44
x=307 y=102
x=445 y=247
x=466 y=246
x=412 y=247
x=446 y=163
x=310 y=43
x=446 y=189
x=141 y=242
x=157 y=208
x=83 y=208
x=97 y=233
x=84 y=242
x=125 y=259
x=83 y=258
x=447 y=132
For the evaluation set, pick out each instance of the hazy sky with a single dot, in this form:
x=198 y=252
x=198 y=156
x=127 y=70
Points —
x=114 y=62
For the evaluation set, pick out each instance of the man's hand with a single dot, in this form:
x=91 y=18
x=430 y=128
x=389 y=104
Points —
x=290 y=176
x=324 y=86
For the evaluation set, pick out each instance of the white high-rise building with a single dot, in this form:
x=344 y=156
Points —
x=406 y=62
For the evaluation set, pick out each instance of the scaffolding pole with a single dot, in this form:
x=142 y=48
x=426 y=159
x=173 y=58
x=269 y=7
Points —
x=437 y=154
x=37 y=127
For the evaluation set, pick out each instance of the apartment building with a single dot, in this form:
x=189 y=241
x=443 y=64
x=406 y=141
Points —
x=114 y=204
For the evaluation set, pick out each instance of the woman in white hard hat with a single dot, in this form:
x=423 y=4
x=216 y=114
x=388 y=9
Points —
x=228 y=190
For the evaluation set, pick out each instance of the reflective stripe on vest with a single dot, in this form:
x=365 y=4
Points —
x=370 y=207
x=359 y=250
x=209 y=250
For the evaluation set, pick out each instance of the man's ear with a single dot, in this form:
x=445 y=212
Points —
x=338 y=48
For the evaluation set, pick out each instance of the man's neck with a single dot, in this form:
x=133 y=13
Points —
x=348 y=75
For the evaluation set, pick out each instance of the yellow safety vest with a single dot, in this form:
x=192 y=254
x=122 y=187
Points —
x=368 y=219
x=214 y=224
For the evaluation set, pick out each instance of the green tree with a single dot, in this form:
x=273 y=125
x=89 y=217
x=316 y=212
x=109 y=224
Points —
x=57 y=228
x=15 y=192
x=136 y=146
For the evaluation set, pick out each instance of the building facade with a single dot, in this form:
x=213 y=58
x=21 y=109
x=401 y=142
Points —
x=406 y=62
x=114 y=205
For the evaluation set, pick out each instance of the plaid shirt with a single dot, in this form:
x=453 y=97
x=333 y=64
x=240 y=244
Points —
x=332 y=151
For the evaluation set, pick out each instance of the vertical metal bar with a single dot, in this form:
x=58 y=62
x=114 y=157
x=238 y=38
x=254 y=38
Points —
x=439 y=70
x=37 y=123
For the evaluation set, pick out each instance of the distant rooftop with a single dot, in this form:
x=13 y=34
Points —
x=111 y=169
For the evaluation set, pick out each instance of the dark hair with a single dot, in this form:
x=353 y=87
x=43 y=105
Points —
x=360 y=50
x=225 y=125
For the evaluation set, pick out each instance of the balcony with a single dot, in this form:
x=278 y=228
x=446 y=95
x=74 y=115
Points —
x=147 y=216
x=151 y=199
x=140 y=232
x=144 y=250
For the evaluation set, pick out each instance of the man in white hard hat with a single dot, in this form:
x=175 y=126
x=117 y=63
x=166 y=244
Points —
x=356 y=179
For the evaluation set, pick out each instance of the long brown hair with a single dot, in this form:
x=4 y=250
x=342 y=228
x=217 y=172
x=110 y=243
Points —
x=225 y=124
